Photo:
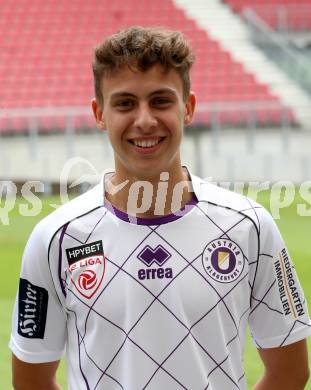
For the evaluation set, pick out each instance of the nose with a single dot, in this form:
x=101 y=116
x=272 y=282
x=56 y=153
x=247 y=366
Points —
x=145 y=119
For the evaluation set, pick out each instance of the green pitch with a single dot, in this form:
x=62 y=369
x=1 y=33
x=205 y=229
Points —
x=296 y=231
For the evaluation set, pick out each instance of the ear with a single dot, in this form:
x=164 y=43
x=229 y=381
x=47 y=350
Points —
x=98 y=114
x=190 y=107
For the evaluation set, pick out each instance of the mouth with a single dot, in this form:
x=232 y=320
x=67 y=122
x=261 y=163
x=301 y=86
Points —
x=147 y=143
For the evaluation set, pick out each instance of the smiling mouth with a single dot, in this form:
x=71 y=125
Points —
x=145 y=144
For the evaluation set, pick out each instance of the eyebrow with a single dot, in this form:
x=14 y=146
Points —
x=157 y=92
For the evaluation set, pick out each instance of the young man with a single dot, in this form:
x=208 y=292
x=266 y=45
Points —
x=150 y=279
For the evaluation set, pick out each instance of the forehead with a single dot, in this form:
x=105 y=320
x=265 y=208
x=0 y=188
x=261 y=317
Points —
x=138 y=83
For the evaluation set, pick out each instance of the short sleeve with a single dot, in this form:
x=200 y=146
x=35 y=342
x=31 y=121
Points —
x=39 y=320
x=279 y=312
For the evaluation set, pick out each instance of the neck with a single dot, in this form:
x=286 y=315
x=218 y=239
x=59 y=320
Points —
x=149 y=197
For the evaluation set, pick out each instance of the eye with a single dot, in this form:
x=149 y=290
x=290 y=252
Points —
x=125 y=104
x=161 y=101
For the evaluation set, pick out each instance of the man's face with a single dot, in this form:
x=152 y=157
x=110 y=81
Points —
x=144 y=114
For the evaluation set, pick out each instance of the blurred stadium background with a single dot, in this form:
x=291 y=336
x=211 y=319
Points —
x=252 y=78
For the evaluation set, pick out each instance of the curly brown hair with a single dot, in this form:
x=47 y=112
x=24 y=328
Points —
x=141 y=48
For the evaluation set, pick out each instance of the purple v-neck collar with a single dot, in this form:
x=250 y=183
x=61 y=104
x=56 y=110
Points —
x=152 y=221
x=156 y=220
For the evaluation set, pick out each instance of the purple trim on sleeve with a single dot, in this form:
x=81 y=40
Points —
x=60 y=255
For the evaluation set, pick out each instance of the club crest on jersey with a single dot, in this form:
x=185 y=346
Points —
x=87 y=267
x=159 y=256
x=223 y=260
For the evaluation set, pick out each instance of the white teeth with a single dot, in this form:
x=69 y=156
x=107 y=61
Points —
x=146 y=144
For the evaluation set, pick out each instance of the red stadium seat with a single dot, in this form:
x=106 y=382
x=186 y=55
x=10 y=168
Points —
x=47 y=52
x=297 y=16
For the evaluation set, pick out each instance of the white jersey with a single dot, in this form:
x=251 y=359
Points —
x=157 y=303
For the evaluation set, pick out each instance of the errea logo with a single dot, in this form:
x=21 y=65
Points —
x=154 y=256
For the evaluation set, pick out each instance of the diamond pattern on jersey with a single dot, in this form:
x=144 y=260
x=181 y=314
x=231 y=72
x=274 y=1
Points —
x=133 y=292
x=223 y=381
x=160 y=380
x=229 y=218
x=293 y=328
x=193 y=374
x=81 y=229
x=108 y=382
x=214 y=286
x=219 y=336
x=259 y=301
x=109 y=347
x=134 y=338
x=139 y=365
x=147 y=330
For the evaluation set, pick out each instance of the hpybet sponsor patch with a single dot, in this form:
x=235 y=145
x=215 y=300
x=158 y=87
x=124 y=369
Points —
x=87 y=267
x=32 y=310
x=289 y=290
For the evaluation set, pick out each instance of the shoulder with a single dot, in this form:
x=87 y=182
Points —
x=235 y=203
x=79 y=206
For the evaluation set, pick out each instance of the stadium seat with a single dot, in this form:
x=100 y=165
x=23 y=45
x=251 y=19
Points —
x=47 y=52
x=297 y=17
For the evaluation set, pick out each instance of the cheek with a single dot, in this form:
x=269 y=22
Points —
x=174 y=120
x=116 y=126
x=178 y=125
